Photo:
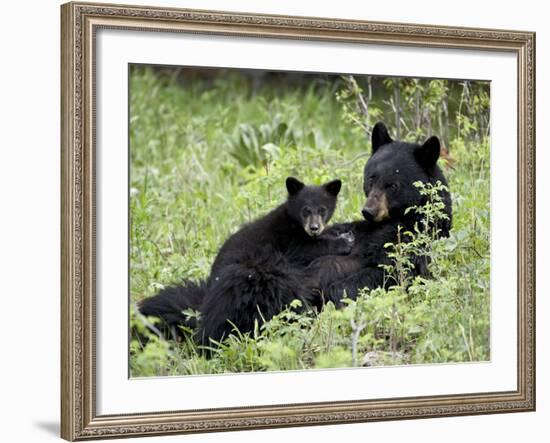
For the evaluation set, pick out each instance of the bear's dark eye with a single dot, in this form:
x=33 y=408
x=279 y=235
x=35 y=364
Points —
x=392 y=186
x=368 y=184
x=322 y=211
x=306 y=212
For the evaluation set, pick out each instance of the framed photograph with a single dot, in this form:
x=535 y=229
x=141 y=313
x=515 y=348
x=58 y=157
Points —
x=277 y=221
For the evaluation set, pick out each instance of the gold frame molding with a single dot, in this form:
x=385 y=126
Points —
x=79 y=22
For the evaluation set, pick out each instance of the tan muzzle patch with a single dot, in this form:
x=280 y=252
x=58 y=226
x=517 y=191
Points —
x=314 y=225
x=377 y=205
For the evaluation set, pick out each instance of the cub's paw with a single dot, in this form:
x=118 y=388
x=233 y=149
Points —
x=343 y=244
x=348 y=236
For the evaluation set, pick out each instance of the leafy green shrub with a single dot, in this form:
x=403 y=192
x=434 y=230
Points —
x=258 y=145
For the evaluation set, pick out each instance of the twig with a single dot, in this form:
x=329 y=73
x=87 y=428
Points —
x=147 y=323
x=354 y=159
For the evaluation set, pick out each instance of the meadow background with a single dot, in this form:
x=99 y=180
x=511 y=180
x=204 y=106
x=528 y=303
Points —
x=209 y=151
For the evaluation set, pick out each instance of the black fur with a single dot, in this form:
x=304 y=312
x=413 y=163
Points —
x=388 y=178
x=257 y=286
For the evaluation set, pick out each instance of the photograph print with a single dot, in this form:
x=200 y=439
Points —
x=283 y=221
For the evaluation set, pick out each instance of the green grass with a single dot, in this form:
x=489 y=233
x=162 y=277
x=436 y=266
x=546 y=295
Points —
x=210 y=155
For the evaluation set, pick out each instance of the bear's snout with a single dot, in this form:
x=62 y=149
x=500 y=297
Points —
x=314 y=225
x=377 y=208
x=368 y=213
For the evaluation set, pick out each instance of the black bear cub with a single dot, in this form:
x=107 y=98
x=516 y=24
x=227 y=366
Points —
x=259 y=269
x=388 y=184
x=257 y=272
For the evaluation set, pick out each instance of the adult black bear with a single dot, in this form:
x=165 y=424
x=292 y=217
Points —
x=388 y=185
x=259 y=269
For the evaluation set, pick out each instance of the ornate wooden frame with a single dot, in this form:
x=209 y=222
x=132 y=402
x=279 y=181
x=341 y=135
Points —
x=80 y=21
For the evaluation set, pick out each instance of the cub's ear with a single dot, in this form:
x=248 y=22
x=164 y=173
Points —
x=428 y=153
x=293 y=185
x=333 y=187
x=380 y=136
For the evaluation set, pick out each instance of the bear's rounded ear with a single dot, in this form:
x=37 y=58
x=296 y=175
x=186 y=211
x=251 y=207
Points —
x=428 y=153
x=333 y=187
x=293 y=185
x=380 y=136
